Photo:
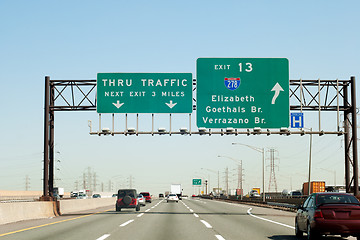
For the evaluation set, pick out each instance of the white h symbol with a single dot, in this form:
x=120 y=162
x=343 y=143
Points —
x=298 y=121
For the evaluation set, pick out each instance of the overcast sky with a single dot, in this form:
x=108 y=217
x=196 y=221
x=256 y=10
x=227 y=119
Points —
x=78 y=39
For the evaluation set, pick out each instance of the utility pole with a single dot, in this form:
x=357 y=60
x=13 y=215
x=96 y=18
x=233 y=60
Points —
x=240 y=176
x=227 y=180
x=109 y=187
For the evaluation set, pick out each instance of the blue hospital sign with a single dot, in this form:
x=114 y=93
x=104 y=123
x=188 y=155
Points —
x=297 y=120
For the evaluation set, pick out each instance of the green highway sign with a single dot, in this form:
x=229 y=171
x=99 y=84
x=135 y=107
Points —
x=242 y=92
x=196 y=182
x=144 y=93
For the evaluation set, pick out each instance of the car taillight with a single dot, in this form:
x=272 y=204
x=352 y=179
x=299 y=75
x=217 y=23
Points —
x=318 y=214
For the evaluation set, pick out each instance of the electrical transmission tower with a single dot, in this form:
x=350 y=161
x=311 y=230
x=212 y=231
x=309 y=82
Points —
x=131 y=181
x=272 y=166
x=27 y=183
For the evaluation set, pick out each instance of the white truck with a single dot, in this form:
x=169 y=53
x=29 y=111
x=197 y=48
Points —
x=176 y=188
x=58 y=192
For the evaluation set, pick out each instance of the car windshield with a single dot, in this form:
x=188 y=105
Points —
x=123 y=193
x=145 y=194
x=172 y=195
x=333 y=199
x=140 y=196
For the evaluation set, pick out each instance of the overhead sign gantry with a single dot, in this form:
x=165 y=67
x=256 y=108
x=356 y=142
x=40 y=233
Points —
x=306 y=95
x=242 y=92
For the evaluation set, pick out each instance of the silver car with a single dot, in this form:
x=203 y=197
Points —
x=141 y=199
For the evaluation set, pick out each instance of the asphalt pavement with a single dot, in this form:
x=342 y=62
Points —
x=188 y=219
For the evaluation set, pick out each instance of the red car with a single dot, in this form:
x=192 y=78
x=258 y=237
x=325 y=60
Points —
x=147 y=196
x=328 y=214
x=127 y=198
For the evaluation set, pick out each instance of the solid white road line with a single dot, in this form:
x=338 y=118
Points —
x=219 y=237
x=126 y=223
x=206 y=224
x=140 y=214
x=103 y=237
x=281 y=224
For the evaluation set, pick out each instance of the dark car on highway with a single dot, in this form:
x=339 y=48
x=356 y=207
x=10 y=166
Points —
x=328 y=214
x=127 y=198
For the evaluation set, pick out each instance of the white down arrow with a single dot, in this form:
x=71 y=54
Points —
x=118 y=104
x=171 y=104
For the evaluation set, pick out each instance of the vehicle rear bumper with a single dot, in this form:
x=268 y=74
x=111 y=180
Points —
x=126 y=206
x=336 y=227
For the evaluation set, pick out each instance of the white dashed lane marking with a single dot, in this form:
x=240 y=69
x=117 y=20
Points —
x=219 y=237
x=264 y=219
x=206 y=224
x=126 y=223
x=103 y=237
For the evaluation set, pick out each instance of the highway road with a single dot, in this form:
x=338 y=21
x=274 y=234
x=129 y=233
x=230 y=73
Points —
x=188 y=219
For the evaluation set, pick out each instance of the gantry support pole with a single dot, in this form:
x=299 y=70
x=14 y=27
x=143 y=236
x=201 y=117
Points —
x=354 y=137
x=46 y=138
x=347 y=140
x=51 y=139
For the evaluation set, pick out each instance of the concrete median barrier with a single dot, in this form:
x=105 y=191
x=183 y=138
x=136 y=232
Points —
x=75 y=205
x=20 y=211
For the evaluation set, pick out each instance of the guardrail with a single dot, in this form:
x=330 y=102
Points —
x=283 y=203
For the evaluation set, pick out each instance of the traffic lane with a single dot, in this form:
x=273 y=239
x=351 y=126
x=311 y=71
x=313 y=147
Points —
x=280 y=216
x=269 y=215
x=272 y=216
x=233 y=222
x=69 y=226
x=16 y=226
x=165 y=221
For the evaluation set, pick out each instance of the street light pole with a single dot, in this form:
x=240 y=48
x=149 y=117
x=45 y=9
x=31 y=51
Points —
x=309 y=179
x=262 y=150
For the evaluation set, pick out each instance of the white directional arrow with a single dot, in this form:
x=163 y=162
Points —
x=118 y=104
x=171 y=104
x=277 y=88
